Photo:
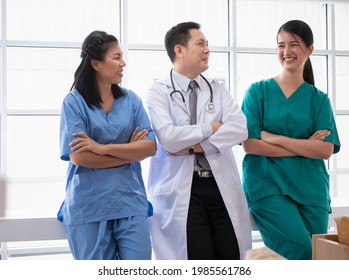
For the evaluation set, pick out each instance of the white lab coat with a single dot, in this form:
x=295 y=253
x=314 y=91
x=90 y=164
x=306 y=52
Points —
x=170 y=177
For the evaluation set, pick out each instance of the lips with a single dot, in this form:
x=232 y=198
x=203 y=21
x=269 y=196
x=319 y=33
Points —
x=289 y=58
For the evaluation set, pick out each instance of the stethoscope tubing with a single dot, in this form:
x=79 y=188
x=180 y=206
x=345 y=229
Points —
x=210 y=106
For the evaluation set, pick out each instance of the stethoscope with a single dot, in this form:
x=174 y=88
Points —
x=210 y=105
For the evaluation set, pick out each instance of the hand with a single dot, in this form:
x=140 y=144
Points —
x=320 y=135
x=215 y=126
x=183 y=152
x=85 y=143
x=141 y=135
x=269 y=137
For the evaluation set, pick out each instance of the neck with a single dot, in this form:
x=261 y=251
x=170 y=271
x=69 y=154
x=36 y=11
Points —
x=290 y=79
x=105 y=92
x=186 y=71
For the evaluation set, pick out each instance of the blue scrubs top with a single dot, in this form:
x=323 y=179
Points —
x=106 y=193
x=299 y=116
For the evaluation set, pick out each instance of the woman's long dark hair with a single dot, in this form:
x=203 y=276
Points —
x=94 y=47
x=301 y=29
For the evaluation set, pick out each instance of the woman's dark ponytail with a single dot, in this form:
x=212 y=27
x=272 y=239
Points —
x=308 y=74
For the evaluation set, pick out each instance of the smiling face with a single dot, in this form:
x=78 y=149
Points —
x=109 y=71
x=193 y=58
x=292 y=52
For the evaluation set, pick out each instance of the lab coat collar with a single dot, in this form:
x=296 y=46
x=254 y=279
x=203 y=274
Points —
x=183 y=81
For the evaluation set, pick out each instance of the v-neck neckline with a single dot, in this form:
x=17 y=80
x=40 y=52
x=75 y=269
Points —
x=293 y=95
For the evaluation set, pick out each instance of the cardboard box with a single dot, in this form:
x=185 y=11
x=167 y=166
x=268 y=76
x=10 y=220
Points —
x=327 y=247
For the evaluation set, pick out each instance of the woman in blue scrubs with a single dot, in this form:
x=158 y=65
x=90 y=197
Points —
x=291 y=131
x=104 y=134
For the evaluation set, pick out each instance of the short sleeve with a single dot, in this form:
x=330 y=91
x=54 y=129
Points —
x=142 y=120
x=72 y=120
x=326 y=120
x=252 y=107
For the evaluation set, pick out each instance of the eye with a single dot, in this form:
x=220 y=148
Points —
x=202 y=43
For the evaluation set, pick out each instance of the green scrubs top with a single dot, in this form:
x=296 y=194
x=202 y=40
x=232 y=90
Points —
x=306 y=111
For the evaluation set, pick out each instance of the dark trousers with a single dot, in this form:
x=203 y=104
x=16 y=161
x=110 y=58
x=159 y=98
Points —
x=210 y=233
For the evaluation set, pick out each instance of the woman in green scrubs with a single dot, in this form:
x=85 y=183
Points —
x=291 y=131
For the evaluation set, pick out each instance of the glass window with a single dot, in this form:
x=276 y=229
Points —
x=64 y=20
x=342 y=127
x=39 y=78
x=143 y=67
x=341 y=26
x=150 y=27
x=257 y=28
x=218 y=67
x=342 y=77
x=1 y=22
x=319 y=64
x=343 y=190
x=29 y=199
x=33 y=147
x=254 y=67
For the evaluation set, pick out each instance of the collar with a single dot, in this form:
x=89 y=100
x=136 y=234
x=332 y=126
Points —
x=182 y=82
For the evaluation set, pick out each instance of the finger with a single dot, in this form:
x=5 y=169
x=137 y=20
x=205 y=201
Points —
x=144 y=133
x=323 y=132
x=75 y=142
x=79 y=149
x=75 y=148
x=134 y=132
x=81 y=134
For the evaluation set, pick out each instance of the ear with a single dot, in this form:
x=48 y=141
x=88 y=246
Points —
x=310 y=49
x=179 y=50
x=94 y=64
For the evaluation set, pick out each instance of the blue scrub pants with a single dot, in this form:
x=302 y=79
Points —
x=120 y=239
x=287 y=227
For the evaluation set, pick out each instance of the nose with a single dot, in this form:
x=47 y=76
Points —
x=123 y=63
x=287 y=49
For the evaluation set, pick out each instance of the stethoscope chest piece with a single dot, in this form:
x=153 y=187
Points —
x=210 y=107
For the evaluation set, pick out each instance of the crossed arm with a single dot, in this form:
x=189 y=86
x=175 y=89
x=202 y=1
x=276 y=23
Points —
x=197 y=147
x=88 y=153
x=273 y=145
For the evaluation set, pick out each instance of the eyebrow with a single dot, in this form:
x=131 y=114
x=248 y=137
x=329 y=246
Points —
x=202 y=40
x=117 y=53
x=295 y=41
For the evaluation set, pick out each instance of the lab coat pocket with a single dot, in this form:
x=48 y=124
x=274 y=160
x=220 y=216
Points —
x=171 y=178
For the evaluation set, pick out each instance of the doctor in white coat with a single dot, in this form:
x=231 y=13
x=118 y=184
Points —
x=198 y=213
